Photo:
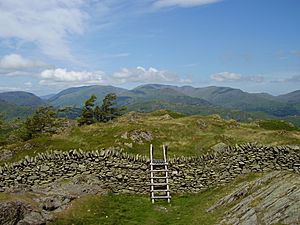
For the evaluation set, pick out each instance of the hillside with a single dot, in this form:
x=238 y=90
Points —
x=293 y=97
x=237 y=99
x=12 y=111
x=76 y=96
x=21 y=98
x=228 y=102
x=184 y=97
x=185 y=135
x=68 y=182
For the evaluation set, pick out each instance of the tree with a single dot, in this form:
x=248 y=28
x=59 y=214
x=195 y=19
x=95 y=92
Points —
x=42 y=121
x=87 y=115
x=1 y=120
x=104 y=113
x=107 y=111
x=98 y=113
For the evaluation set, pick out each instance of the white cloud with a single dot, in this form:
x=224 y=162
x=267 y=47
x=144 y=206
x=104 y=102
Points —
x=61 y=76
x=45 y=23
x=295 y=78
x=9 y=88
x=227 y=76
x=15 y=62
x=28 y=84
x=140 y=74
x=183 y=3
x=50 y=24
x=292 y=79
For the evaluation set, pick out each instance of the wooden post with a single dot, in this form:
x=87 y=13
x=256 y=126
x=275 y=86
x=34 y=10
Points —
x=151 y=173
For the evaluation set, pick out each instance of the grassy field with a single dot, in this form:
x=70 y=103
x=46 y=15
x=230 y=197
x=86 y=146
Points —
x=137 y=209
x=185 y=135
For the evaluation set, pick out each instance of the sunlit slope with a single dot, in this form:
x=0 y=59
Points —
x=185 y=135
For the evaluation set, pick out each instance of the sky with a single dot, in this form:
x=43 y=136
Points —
x=48 y=46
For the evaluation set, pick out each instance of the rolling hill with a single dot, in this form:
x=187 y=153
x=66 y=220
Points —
x=182 y=98
x=18 y=104
x=12 y=111
x=292 y=97
x=238 y=99
x=76 y=96
x=226 y=101
x=22 y=98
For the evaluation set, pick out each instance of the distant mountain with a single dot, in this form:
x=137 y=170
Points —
x=21 y=98
x=76 y=96
x=165 y=94
x=226 y=101
x=292 y=97
x=46 y=97
x=238 y=99
x=182 y=97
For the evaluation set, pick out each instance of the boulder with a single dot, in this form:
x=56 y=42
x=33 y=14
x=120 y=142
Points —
x=11 y=212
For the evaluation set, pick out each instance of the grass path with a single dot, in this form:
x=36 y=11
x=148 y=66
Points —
x=123 y=209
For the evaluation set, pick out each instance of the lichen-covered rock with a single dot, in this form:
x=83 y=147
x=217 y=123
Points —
x=202 y=124
x=165 y=117
x=139 y=136
x=272 y=199
x=219 y=147
x=5 y=154
x=11 y=212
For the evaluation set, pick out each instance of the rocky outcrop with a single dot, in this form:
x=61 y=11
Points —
x=272 y=199
x=138 y=136
x=120 y=172
x=11 y=212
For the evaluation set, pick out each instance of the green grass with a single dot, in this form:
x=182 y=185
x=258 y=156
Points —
x=277 y=125
x=136 y=209
x=183 y=135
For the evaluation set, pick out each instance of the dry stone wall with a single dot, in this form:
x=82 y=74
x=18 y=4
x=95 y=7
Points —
x=121 y=172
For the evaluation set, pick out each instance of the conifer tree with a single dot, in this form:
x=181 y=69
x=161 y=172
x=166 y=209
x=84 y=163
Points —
x=42 y=121
x=88 y=116
x=104 y=113
x=108 y=111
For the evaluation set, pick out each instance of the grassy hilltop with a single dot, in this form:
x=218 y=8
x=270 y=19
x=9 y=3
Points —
x=185 y=135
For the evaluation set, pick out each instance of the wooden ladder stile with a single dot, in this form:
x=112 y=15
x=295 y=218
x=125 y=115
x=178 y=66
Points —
x=161 y=167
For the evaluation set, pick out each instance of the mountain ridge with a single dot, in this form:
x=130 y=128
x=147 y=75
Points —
x=184 y=99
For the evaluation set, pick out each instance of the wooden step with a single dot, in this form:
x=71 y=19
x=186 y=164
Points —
x=159 y=177
x=159 y=164
x=158 y=160
x=162 y=170
x=161 y=197
x=162 y=190
x=159 y=184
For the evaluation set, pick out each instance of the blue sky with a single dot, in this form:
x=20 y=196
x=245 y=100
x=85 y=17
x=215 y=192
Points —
x=47 y=46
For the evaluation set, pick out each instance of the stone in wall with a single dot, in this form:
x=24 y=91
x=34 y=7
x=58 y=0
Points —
x=122 y=172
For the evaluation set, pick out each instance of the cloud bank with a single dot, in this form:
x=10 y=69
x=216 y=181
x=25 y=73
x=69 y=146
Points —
x=143 y=75
x=15 y=62
x=64 y=77
x=59 y=76
x=235 y=77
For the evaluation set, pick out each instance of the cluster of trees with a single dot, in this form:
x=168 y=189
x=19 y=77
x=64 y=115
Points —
x=48 y=120
x=104 y=113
